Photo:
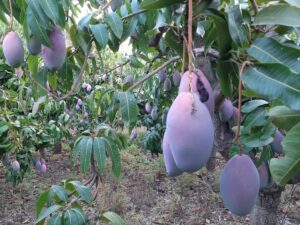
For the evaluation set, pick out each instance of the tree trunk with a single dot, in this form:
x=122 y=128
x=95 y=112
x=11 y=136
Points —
x=265 y=210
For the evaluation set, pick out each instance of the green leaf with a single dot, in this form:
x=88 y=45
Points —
x=274 y=81
x=33 y=63
x=86 y=153
x=40 y=202
x=81 y=218
x=65 y=73
x=284 y=117
x=38 y=12
x=238 y=30
x=41 y=78
x=294 y=2
x=268 y=50
x=37 y=104
x=227 y=73
x=78 y=146
x=70 y=218
x=60 y=192
x=45 y=213
x=85 y=21
x=83 y=191
x=100 y=33
x=51 y=9
x=284 y=169
x=278 y=14
x=114 y=218
x=128 y=108
x=252 y=105
x=114 y=154
x=55 y=220
x=99 y=152
x=256 y=118
x=115 y=23
x=157 y=4
x=35 y=27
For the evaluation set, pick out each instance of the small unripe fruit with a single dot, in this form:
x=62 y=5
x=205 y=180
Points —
x=55 y=57
x=84 y=85
x=276 y=144
x=38 y=165
x=79 y=102
x=154 y=113
x=233 y=121
x=226 y=110
x=239 y=185
x=43 y=168
x=129 y=79
x=88 y=88
x=15 y=166
x=170 y=165
x=190 y=132
x=77 y=107
x=133 y=135
x=34 y=46
x=176 y=78
x=115 y=4
x=148 y=107
x=167 y=84
x=264 y=175
x=13 y=49
x=162 y=75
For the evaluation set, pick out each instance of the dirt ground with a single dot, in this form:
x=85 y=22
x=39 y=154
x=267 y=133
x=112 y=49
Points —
x=144 y=195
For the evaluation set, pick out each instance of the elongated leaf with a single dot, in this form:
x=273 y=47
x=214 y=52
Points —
x=114 y=218
x=52 y=9
x=38 y=12
x=37 y=104
x=274 y=81
x=286 y=168
x=100 y=33
x=55 y=220
x=268 y=50
x=128 y=108
x=157 y=4
x=115 y=23
x=255 y=118
x=83 y=191
x=41 y=78
x=252 y=105
x=279 y=14
x=284 y=117
x=40 y=202
x=60 y=192
x=85 y=21
x=294 y=2
x=99 y=152
x=86 y=153
x=81 y=218
x=70 y=218
x=114 y=154
x=78 y=146
x=38 y=31
x=238 y=31
x=45 y=213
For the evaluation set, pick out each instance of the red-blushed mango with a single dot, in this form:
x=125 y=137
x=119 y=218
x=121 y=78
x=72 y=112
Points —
x=148 y=107
x=226 y=110
x=154 y=113
x=115 y=4
x=34 y=46
x=172 y=169
x=276 y=144
x=190 y=132
x=176 y=78
x=13 y=49
x=239 y=185
x=15 y=166
x=264 y=175
x=200 y=86
x=55 y=57
x=167 y=84
x=43 y=168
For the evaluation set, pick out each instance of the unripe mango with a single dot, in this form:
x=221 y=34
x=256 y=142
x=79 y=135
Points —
x=162 y=75
x=34 y=46
x=190 y=132
x=13 y=49
x=15 y=166
x=167 y=84
x=154 y=113
x=239 y=185
x=55 y=57
x=172 y=169
x=200 y=86
x=276 y=144
x=233 y=121
x=176 y=78
x=226 y=110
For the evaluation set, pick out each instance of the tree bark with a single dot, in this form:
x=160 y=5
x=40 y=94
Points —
x=265 y=210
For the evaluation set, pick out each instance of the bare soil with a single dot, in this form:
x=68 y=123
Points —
x=144 y=195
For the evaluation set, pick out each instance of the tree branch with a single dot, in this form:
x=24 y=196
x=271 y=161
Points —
x=174 y=59
x=134 y=14
x=254 y=5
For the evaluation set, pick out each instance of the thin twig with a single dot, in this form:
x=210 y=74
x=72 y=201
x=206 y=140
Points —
x=174 y=59
x=190 y=35
x=254 y=5
x=107 y=4
x=134 y=14
x=183 y=59
x=11 y=15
